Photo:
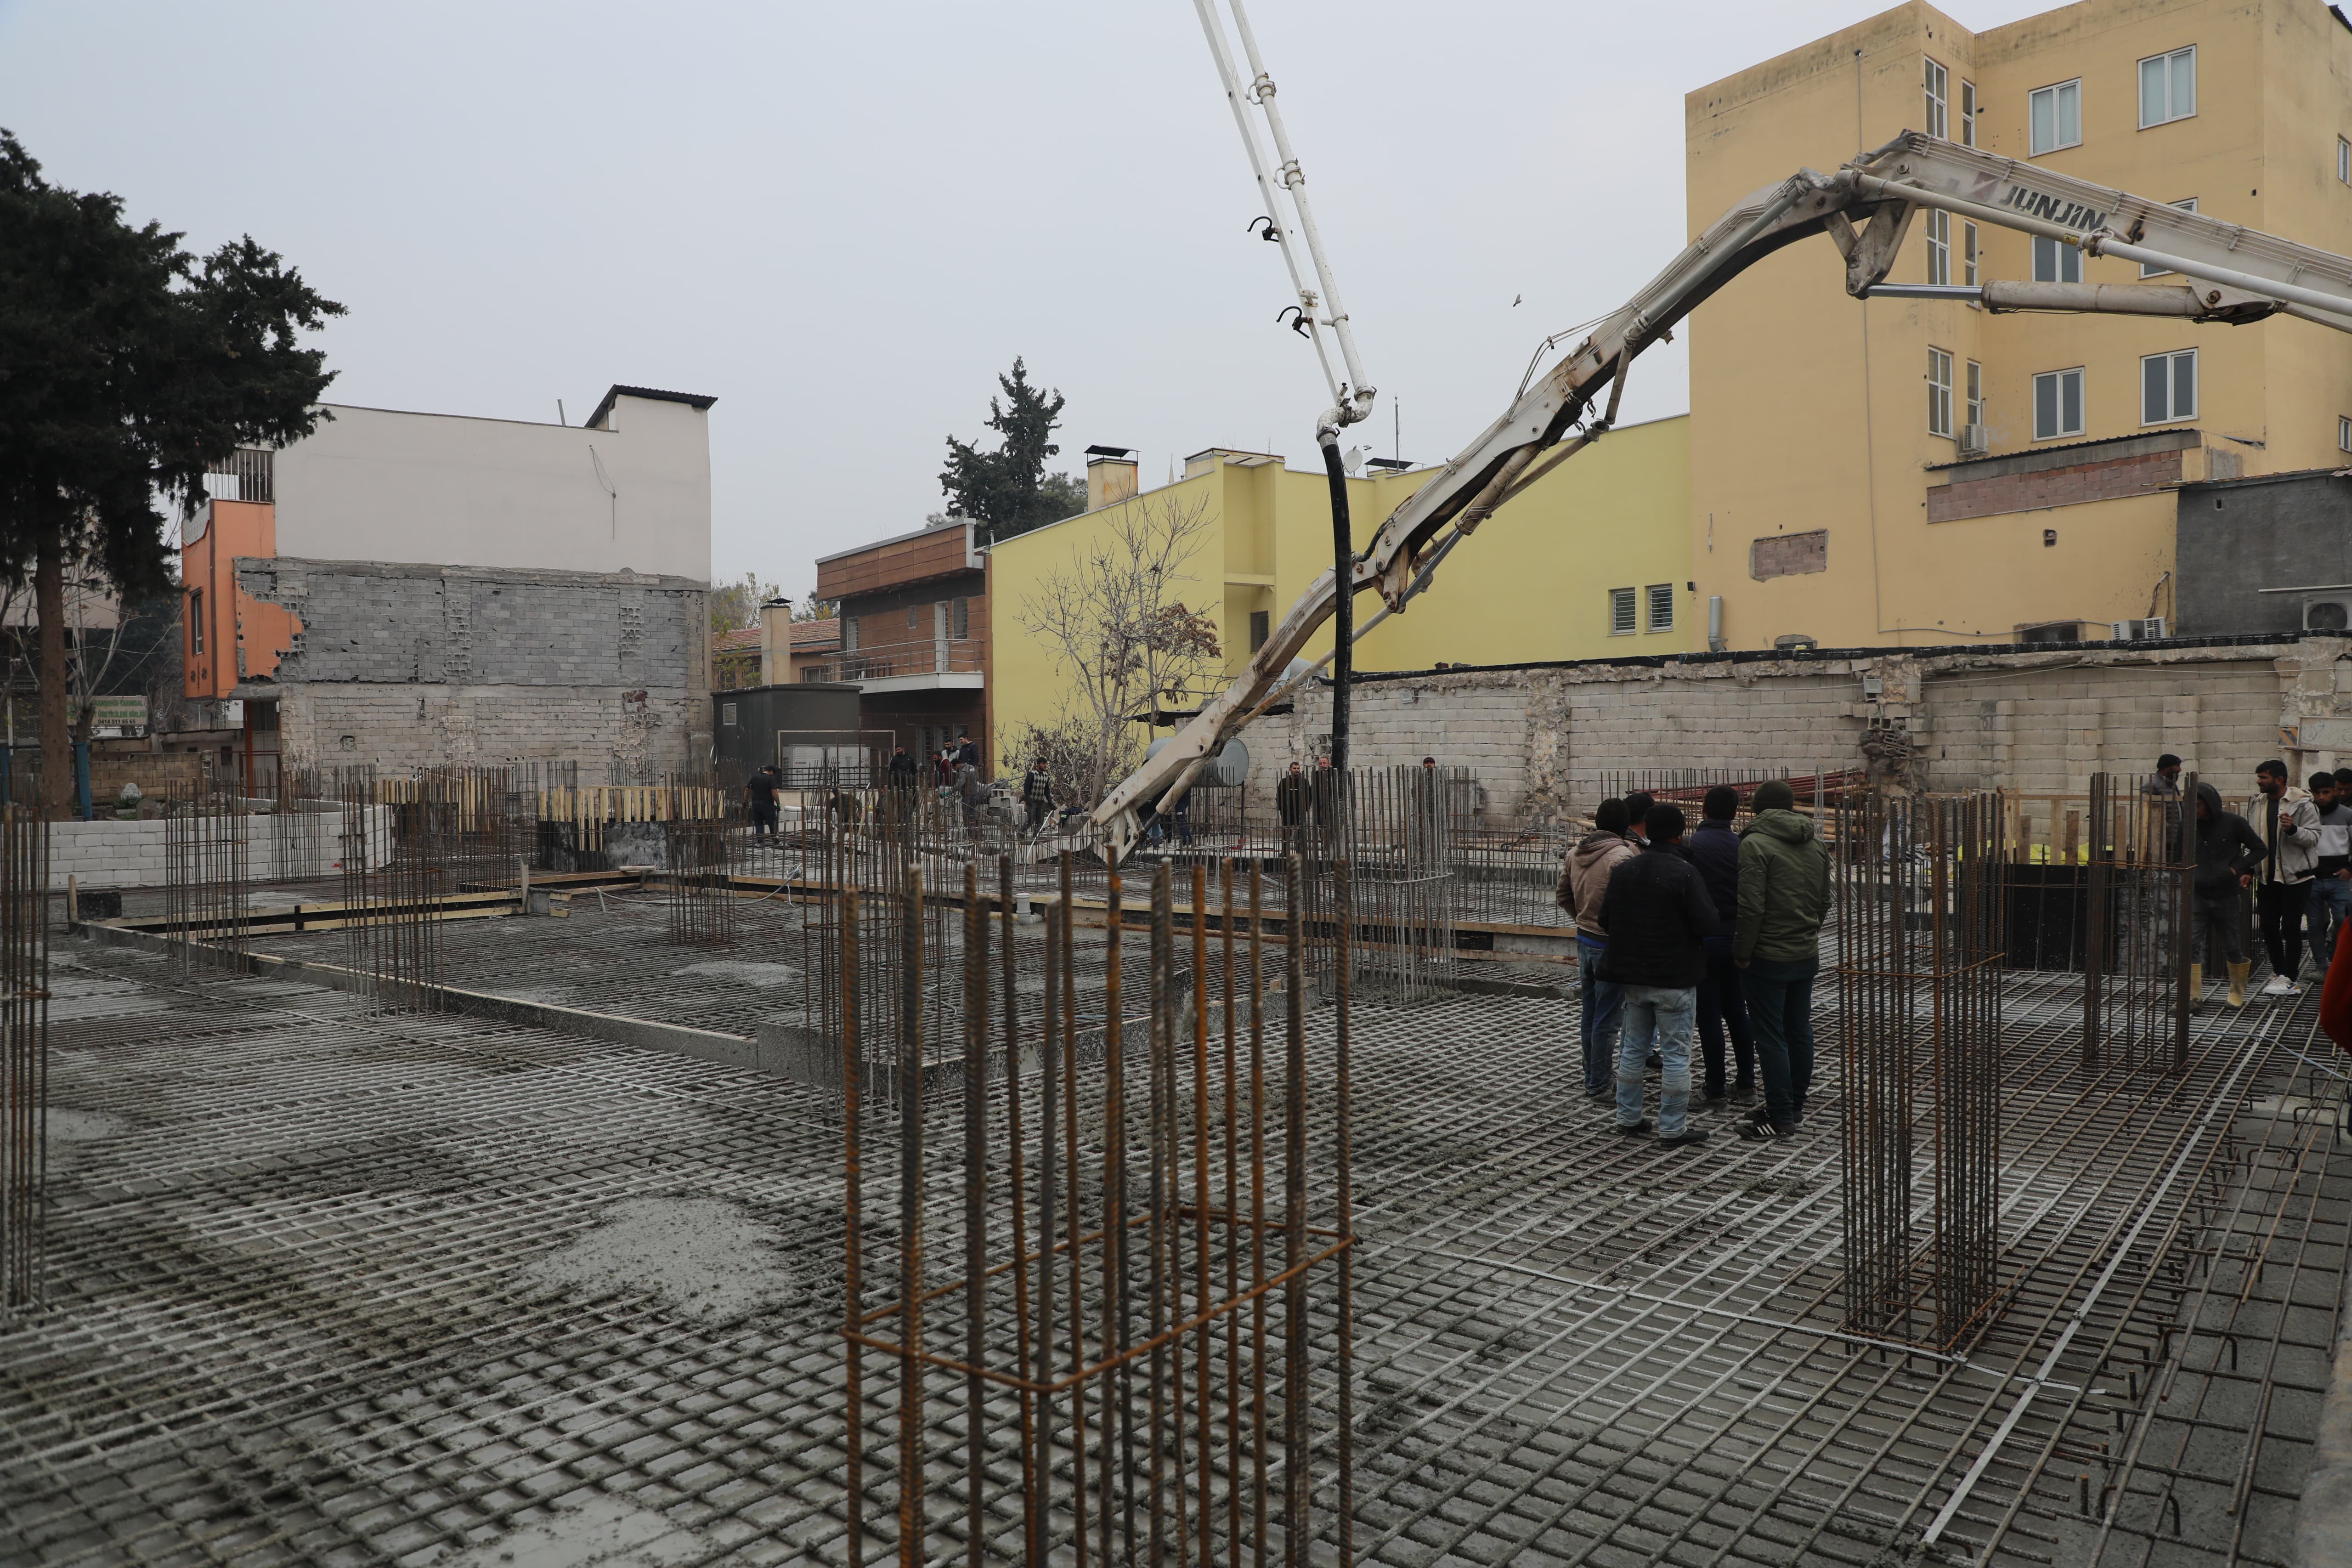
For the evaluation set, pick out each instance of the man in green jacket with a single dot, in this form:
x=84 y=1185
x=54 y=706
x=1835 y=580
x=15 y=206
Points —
x=1784 y=892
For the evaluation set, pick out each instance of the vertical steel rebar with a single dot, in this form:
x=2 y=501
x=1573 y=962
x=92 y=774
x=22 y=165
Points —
x=912 y=1454
x=852 y=1181
x=1295 y=1477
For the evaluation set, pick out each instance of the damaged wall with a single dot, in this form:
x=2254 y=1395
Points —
x=403 y=666
x=2035 y=721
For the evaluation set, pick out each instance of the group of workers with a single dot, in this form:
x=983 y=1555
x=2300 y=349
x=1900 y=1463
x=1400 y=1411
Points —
x=2293 y=851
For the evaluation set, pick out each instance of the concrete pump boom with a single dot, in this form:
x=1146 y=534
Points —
x=1866 y=208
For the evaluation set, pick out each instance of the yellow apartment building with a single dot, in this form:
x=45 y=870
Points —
x=1920 y=471
x=1592 y=562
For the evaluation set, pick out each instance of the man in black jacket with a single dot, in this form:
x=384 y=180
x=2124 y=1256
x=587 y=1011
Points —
x=2228 y=852
x=1714 y=850
x=1658 y=916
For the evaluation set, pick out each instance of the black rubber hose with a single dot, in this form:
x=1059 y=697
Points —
x=1343 y=617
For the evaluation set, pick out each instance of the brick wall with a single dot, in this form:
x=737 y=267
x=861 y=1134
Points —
x=398 y=666
x=2113 y=479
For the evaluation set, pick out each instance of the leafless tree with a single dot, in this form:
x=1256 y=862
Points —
x=1116 y=623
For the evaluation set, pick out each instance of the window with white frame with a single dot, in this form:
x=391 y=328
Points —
x=2343 y=434
x=2167 y=88
x=1661 y=596
x=2167 y=387
x=726 y=715
x=1940 y=392
x=195 y=620
x=2186 y=205
x=1967 y=114
x=1969 y=254
x=2054 y=117
x=1939 y=245
x=2058 y=404
x=2344 y=159
x=1975 y=401
x=2055 y=262
x=1621 y=611
x=1936 y=99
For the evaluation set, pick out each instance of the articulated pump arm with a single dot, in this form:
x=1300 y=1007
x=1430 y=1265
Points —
x=1866 y=208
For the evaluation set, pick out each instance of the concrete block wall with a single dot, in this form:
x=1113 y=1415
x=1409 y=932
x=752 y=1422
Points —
x=116 y=854
x=399 y=666
x=1543 y=740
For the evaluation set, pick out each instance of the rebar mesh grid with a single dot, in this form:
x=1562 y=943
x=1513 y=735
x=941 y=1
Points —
x=1155 y=1399
x=24 y=1055
x=298 y=1247
x=2136 y=994
x=205 y=870
x=1919 y=947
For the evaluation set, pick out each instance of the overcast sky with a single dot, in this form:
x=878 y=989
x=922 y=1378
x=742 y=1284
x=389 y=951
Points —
x=843 y=220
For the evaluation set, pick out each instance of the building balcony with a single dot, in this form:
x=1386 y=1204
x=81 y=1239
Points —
x=931 y=664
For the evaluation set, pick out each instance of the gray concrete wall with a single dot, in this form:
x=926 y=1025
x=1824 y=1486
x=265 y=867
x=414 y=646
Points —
x=400 y=666
x=1542 y=741
x=2235 y=539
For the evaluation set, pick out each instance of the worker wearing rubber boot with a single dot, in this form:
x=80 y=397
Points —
x=2228 y=852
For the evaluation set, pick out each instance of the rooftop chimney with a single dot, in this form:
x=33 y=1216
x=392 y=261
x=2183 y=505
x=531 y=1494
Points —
x=1110 y=474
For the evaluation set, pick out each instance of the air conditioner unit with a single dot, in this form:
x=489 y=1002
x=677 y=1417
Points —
x=1973 y=441
x=2138 y=631
x=2326 y=613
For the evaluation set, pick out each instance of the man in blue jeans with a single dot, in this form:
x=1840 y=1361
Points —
x=1584 y=882
x=1714 y=850
x=2331 y=876
x=1784 y=892
x=1657 y=914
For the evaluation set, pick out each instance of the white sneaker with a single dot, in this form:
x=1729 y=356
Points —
x=2278 y=985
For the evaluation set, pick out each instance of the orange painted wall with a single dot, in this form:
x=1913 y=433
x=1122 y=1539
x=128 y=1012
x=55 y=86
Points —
x=242 y=638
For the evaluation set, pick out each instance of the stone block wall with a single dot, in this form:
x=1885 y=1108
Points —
x=2033 y=722
x=400 y=666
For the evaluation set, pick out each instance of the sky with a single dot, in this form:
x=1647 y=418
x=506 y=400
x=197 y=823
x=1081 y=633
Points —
x=843 y=222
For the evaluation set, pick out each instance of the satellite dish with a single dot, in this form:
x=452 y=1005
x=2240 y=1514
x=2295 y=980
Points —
x=1157 y=747
x=1295 y=669
x=1353 y=460
x=1231 y=765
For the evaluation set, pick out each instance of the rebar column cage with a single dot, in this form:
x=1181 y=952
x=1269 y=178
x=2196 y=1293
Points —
x=396 y=841
x=699 y=844
x=1397 y=837
x=2136 y=993
x=205 y=870
x=23 y=1054
x=1106 y=1274
x=302 y=827
x=1919 y=973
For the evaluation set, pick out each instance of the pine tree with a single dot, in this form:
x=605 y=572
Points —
x=1008 y=491
x=128 y=368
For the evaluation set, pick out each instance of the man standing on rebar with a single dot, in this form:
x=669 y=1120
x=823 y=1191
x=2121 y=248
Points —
x=1714 y=850
x=1584 y=882
x=1784 y=892
x=760 y=791
x=1037 y=794
x=1658 y=915
x=2331 y=871
x=2228 y=852
x=902 y=769
x=2289 y=825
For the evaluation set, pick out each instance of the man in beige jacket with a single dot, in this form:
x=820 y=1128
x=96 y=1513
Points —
x=1583 y=883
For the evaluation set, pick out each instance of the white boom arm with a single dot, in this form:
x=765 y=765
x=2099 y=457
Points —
x=1865 y=207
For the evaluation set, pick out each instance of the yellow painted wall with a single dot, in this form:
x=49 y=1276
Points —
x=1532 y=584
x=1810 y=409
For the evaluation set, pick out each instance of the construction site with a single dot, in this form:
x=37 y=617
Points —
x=888 y=1189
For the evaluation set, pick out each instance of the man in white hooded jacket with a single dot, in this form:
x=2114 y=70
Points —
x=2288 y=824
